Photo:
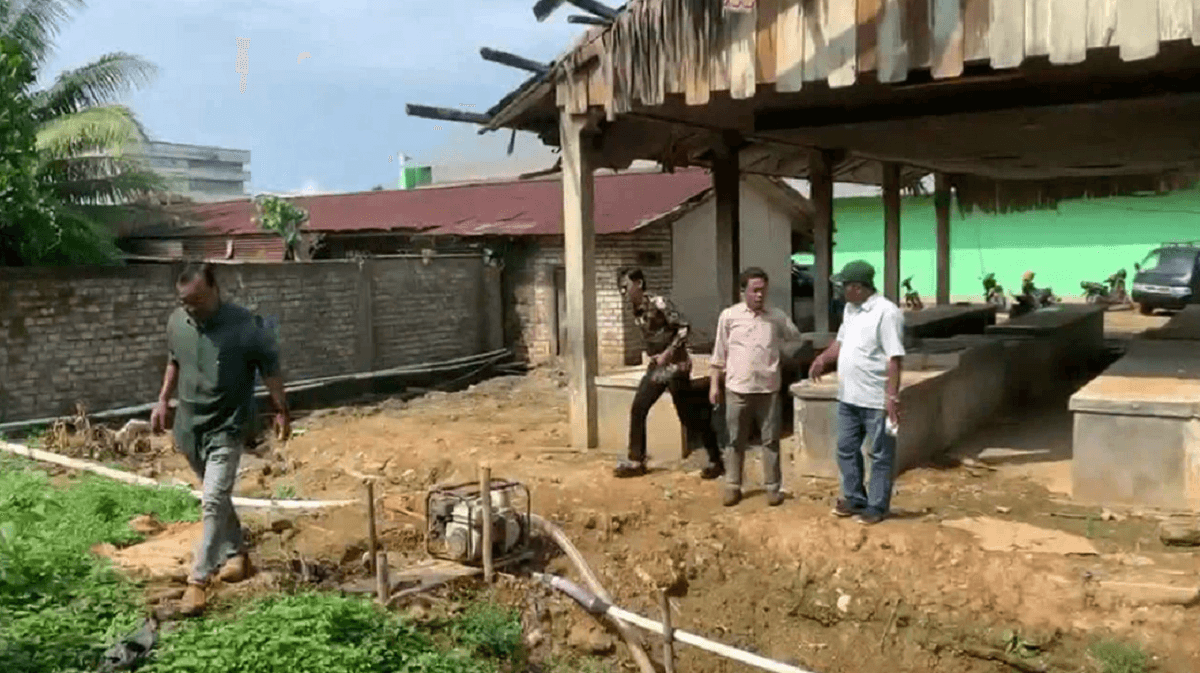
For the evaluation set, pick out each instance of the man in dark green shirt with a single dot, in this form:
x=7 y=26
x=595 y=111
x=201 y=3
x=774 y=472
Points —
x=216 y=349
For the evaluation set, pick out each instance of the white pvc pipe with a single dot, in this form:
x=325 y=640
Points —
x=126 y=477
x=704 y=643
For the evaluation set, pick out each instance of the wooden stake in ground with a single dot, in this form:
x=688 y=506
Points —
x=383 y=583
x=372 y=539
x=668 y=632
x=485 y=492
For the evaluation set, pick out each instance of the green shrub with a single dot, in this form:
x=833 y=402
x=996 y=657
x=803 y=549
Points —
x=307 y=633
x=1117 y=657
x=60 y=606
x=490 y=630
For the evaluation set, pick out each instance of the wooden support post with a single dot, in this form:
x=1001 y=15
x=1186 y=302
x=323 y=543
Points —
x=372 y=535
x=383 y=583
x=485 y=494
x=891 y=231
x=668 y=632
x=580 y=261
x=941 y=204
x=820 y=175
x=727 y=187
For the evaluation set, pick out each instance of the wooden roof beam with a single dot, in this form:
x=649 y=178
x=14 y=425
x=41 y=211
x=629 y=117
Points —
x=588 y=20
x=445 y=114
x=544 y=8
x=513 y=61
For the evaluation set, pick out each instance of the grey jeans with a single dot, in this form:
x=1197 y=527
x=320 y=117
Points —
x=222 y=538
x=742 y=413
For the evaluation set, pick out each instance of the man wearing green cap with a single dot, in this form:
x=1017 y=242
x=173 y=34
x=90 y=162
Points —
x=868 y=354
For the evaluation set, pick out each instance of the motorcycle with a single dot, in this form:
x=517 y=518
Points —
x=1111 y=291
x=994 y=292
x=912 y=298
x=1031 y=298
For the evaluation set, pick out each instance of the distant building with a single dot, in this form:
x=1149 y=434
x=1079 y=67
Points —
x=201 y=173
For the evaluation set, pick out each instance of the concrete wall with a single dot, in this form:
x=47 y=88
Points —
x=97 y=335
x=765 y=241
x=531 y=297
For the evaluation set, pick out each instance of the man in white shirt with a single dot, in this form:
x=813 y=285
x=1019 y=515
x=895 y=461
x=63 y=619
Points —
x=869 y=355
x=751 y=337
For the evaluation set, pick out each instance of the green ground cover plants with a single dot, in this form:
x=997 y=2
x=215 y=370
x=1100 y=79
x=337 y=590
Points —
x=61 y=606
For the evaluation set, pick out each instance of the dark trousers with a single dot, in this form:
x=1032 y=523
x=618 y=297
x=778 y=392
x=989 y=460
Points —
x=695 y=413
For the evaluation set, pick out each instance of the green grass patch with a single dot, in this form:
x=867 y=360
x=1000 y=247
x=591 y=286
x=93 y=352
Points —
x=309 y=633
x=1118 y=657
x=490 y=630
x=59 y=604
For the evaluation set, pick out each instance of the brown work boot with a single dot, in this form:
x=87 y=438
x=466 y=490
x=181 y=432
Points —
x=775 y=498
x=732 y=497
x=194 y=600
x=235 y=569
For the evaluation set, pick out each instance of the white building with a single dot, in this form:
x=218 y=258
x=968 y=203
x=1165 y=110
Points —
x=201 y=173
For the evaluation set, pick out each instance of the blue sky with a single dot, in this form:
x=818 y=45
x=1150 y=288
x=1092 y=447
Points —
x=329 y=122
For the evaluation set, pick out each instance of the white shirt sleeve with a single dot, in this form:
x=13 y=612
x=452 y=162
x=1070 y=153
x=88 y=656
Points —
x=722 y=341
x=891 y=332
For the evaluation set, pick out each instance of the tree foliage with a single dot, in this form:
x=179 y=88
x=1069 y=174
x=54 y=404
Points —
x=283 y=218
x=67 y=177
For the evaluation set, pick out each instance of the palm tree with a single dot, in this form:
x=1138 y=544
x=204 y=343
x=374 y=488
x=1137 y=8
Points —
x=84 y=137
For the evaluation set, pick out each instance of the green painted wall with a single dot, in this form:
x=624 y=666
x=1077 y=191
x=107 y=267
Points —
x=1082 y=240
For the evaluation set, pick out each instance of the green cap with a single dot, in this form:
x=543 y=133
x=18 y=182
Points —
x=857 y=271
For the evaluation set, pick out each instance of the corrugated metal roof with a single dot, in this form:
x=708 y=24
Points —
x=624 y=202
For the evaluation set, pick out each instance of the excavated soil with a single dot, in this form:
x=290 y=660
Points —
x=976 y=556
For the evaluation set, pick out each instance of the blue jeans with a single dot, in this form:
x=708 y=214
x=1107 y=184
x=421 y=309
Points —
x=855 y=424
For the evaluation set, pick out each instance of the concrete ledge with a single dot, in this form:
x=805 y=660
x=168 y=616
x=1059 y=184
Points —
x=945 y=395
x=1136 y=435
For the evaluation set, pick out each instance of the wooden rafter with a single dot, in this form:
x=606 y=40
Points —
x=513 y=61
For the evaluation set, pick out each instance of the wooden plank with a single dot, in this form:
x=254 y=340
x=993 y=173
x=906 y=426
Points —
x=743 y=78
x=1174 y=20
x=598 y=89
x=1037 y=27
x=577 y=102
x=841 y=48
x=815 y=61
x=891 y=231
x=696 y=64
x=820 y=176
x=976 y=20
x=1068 y=31
x=893 y=49
x=673 y=28
x=766 y=42
x=579 y=259
x=718 y=63
x=1006 y=37
x=946 y=56
x=941 y=206
x=1196 y=22
x=1137 y=29
x=868 y=34
x=917 y=26
x=1102 y=23
x=789 y=35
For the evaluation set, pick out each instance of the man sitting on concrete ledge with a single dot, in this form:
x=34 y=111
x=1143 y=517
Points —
x=869 y=354
x=665 y=333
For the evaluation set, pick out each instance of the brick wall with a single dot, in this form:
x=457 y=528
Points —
x=97 y=335
x=530 y=290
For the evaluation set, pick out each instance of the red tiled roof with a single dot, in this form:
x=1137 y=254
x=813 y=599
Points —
x=624 y=202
